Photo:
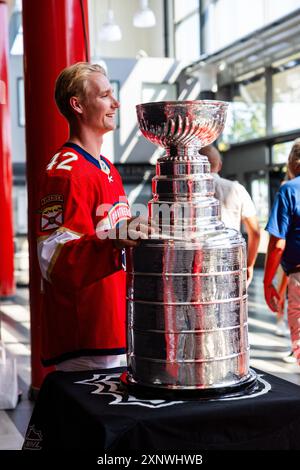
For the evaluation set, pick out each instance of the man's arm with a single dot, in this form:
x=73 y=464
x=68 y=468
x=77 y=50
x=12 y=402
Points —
x=71 y=255
x=274 y=253
x=253 y=232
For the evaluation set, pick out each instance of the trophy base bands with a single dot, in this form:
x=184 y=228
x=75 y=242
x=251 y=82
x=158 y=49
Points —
x=151 y=459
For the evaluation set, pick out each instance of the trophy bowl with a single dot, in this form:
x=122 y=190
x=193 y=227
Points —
x=182 y=123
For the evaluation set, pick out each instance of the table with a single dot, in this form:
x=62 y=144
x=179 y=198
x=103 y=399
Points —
x=89 y=410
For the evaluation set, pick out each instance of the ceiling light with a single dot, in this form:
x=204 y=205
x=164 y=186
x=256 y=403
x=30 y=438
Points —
x=110 y=30
x=144 y=17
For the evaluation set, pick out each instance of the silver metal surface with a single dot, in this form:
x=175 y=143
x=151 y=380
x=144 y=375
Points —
x=186 y=124
x=186 y=294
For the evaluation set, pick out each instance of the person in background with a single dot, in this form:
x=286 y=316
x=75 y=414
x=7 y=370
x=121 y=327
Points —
x=282 y=281
x=284 y=248
x=82 y=201
x=236 y=207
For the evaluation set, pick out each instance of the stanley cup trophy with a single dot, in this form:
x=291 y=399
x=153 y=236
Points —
x=186 y=294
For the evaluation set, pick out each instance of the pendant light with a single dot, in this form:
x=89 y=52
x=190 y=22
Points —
x=144 y=17
x=110 y=30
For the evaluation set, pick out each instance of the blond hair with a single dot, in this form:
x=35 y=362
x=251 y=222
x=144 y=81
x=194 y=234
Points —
x=72 y=82
x=294 y=159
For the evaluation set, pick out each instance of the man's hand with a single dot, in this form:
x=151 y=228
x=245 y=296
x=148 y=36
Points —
x=272 y=297
x=132 y=231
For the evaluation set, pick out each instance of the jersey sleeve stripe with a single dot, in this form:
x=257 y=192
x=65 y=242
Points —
x=49 y=249
x=66 y=229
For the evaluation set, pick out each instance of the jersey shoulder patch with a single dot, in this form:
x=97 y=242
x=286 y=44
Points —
x=51 y=212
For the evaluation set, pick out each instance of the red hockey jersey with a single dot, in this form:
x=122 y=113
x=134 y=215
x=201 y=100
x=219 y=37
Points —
x=83 y=280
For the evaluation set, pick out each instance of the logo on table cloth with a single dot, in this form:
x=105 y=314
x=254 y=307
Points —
x=33 y=439
x=52 y=212
x=110 y=385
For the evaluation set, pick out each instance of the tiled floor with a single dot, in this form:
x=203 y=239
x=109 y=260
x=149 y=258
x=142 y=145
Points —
x=15 y=331
x=267 y=351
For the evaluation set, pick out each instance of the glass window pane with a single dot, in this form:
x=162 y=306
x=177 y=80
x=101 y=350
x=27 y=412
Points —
x=246 y=116
x=21 y=102
x=184 y=8
x=275 y=9
x=229 y=20
x=259 y=192
x=260 y=197
x=281 y=152
x=286 y=100
x=187 y=38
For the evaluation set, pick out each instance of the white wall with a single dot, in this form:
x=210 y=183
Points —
x=18 y=133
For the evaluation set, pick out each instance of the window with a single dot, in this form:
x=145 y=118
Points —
x=229 y=20
x=21 y=102
x=286 y=98
x=280 y=152
x=260 y=197
x=246 y=118
x=187 y=29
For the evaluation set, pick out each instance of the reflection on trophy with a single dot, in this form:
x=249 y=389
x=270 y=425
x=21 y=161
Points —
x=186 y=297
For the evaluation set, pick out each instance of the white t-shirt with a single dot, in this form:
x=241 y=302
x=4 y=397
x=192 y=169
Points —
x=236 y=203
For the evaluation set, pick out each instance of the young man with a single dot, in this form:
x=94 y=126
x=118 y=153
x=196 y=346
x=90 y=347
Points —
x=82 y=196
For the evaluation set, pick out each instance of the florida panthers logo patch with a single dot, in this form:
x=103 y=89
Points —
x=51 y=212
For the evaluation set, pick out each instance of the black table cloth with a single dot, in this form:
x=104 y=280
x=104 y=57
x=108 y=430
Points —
x=90 y=410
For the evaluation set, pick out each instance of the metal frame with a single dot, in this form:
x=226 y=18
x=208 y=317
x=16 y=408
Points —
x=169 y=37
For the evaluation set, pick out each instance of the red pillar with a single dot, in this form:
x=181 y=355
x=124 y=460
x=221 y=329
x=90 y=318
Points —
x=6 y=224
x=55 y=36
